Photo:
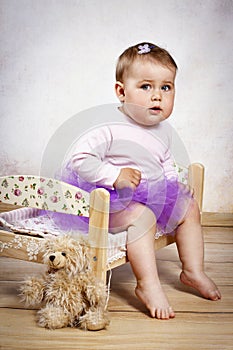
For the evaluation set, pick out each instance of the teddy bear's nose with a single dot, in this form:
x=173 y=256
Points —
x=52 y=257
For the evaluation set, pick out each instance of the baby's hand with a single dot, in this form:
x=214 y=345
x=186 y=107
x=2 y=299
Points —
x=129 y=178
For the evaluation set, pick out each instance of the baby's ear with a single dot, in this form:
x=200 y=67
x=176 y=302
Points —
x=120 y=91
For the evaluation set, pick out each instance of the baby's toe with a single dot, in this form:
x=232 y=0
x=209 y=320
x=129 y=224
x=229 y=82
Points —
x=159 y=314
x=215 y=295
x=171 y=312
x=165 y=314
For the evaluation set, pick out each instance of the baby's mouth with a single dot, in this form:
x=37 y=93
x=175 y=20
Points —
x=155 y=109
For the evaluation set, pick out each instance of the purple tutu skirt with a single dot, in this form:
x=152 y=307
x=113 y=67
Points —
x=168 y=199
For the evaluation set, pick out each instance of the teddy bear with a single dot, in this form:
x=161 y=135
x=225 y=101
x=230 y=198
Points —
x=69 y=294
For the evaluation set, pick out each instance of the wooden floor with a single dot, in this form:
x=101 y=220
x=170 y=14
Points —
x=199 y=323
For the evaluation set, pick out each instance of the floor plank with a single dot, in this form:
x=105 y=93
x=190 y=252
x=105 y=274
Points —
x=127 y=331
x=199 y=323
x=217 y=219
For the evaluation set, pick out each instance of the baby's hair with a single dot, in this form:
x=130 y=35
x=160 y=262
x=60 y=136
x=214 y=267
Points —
x=142 y=51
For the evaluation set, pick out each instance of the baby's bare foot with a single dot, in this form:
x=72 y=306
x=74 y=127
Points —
x=153 y=297
x=202 y=283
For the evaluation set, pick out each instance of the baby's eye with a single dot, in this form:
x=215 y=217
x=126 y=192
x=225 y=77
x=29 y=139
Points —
x=166 y=88
x=146 y=87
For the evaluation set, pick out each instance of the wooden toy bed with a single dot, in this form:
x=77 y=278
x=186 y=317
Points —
x=23 y=229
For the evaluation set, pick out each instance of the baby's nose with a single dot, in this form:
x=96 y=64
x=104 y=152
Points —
x=156 y=97
x=52 y=257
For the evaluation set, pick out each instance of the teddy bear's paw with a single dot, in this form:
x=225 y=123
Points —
x=32 y=291
x=94 y=320
x=96 y=293
x=52 y=317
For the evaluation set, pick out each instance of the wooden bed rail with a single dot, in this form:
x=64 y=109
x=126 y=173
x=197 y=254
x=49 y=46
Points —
x=23 y=246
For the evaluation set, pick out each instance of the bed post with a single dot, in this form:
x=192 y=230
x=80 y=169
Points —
x=196 y=181
x=98 y=231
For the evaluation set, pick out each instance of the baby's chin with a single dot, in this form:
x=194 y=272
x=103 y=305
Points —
x=153 y=119
x=149 y=120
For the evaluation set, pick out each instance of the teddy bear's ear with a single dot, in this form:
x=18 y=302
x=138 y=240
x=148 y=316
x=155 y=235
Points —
x=46 y=245
x=83 y=253
x=81 y=243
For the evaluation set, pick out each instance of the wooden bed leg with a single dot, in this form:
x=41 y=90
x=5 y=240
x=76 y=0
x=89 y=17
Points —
x=196 y=181
x=98 y=231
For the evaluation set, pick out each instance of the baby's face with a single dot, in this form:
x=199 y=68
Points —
x=148 y=92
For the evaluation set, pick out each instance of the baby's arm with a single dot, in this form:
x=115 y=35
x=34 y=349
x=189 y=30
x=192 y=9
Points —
x=89 y=158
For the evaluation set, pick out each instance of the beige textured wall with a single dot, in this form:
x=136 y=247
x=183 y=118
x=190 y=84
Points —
x=58 y=57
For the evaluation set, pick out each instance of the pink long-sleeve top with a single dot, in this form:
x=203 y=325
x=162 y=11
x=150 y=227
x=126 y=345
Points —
x=100 y=153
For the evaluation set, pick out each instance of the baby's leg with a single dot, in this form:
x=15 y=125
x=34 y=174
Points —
x=190 y=246
x=140 y=224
